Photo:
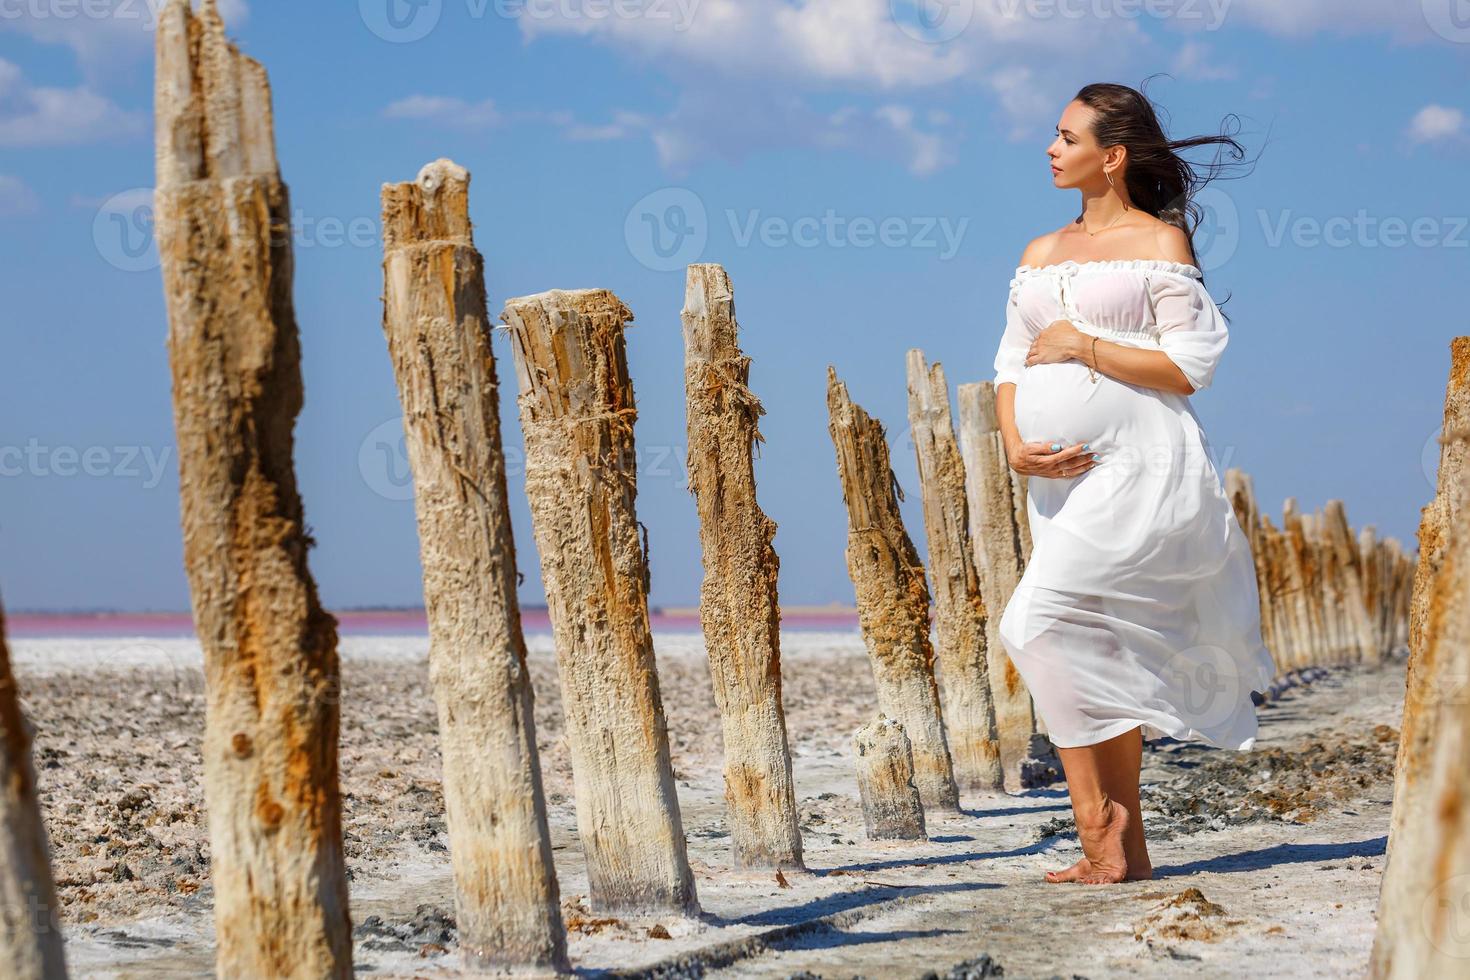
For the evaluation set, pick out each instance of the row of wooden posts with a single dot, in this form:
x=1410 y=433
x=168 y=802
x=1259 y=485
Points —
x=271 y=732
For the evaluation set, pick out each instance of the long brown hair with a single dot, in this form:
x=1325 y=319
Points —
x=1159 y=180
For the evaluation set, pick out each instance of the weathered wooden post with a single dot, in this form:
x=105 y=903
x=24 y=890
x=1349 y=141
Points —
x=961 y=615
x=270 y=650
x=892 y=597
x=438 y=334
x=1424 y=684
x=738 y=600
x=885 y=773
x=30 y=917
x=577 y=413
x=998 y=534
x=1424 y=901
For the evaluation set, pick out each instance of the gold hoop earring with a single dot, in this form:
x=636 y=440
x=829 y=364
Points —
x=1110 y=178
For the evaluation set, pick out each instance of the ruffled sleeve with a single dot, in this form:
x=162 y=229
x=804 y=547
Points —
x=1192 y=330
x=1010 y=359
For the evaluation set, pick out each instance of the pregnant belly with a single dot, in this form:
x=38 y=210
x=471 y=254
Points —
x=1061 y=403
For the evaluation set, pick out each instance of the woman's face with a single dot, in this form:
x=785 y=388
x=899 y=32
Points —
x=1076 y=160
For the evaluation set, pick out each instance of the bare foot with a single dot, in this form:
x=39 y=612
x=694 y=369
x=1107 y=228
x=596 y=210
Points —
x=1110 y=865
x=1082 y=867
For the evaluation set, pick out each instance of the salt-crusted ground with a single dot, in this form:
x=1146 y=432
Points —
x=1267 y=863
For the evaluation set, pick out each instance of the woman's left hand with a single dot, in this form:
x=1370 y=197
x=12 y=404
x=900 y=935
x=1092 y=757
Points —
x=1059 y=342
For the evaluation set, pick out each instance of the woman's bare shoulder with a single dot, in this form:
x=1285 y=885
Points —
x=1040 y=248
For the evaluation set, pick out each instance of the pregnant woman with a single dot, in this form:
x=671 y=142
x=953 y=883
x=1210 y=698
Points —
x=1138 y=613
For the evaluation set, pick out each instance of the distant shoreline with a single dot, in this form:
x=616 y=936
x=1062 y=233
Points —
x=381 y=621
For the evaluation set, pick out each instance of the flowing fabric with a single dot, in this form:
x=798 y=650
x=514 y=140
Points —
x=1139 y=604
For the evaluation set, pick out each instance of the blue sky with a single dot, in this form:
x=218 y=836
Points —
x=775 y=137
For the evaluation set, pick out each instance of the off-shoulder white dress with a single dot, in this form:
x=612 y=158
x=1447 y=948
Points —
x=1139 y=604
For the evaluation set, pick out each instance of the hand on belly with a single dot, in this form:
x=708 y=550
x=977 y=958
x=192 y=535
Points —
x=1059 y=402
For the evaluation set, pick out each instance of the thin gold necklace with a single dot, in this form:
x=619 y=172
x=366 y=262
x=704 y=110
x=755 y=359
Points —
x=1105 y=227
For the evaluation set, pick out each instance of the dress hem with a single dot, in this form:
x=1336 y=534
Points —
x=1128 y=724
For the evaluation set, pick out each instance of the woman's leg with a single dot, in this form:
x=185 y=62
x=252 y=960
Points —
x=1102 y=780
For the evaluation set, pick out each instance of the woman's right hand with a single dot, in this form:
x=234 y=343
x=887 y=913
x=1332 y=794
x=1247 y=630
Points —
x=1039 y=459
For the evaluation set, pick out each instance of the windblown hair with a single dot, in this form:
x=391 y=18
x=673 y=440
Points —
x=1159 y=180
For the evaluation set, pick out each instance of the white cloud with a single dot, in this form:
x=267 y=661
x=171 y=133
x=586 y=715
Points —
x=1403 y=19
x=1437 y=124
x=855 y=43
x=16 y=198
x=767 y=55
x=1193 y=61
x=102 y=33
x=45 y=116
x=449 y=111
x=709 y=124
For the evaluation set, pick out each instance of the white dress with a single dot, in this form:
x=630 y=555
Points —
x=1139 y=604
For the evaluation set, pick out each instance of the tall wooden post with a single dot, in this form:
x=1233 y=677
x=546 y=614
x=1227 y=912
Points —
x=738 y=603
x=1425 y=895
x=577 y=413
x=1437 y=518
x=999 y=535
x=961 y=616
x=892 y=597
x=271 y=720
x=438 y=334
x=30 y=917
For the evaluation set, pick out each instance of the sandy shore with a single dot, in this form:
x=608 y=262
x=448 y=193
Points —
x=1266 y=862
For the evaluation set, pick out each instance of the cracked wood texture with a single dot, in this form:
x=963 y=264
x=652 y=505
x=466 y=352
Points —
x=961 y=617
x=892 y=597
x=738 y=600
x=438 y=334
x=1426 y=883
x=885 y=775
x=270 y=650
x=30 y=926
x=1437 y=692
x=577 y=413
x=1001 y=540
